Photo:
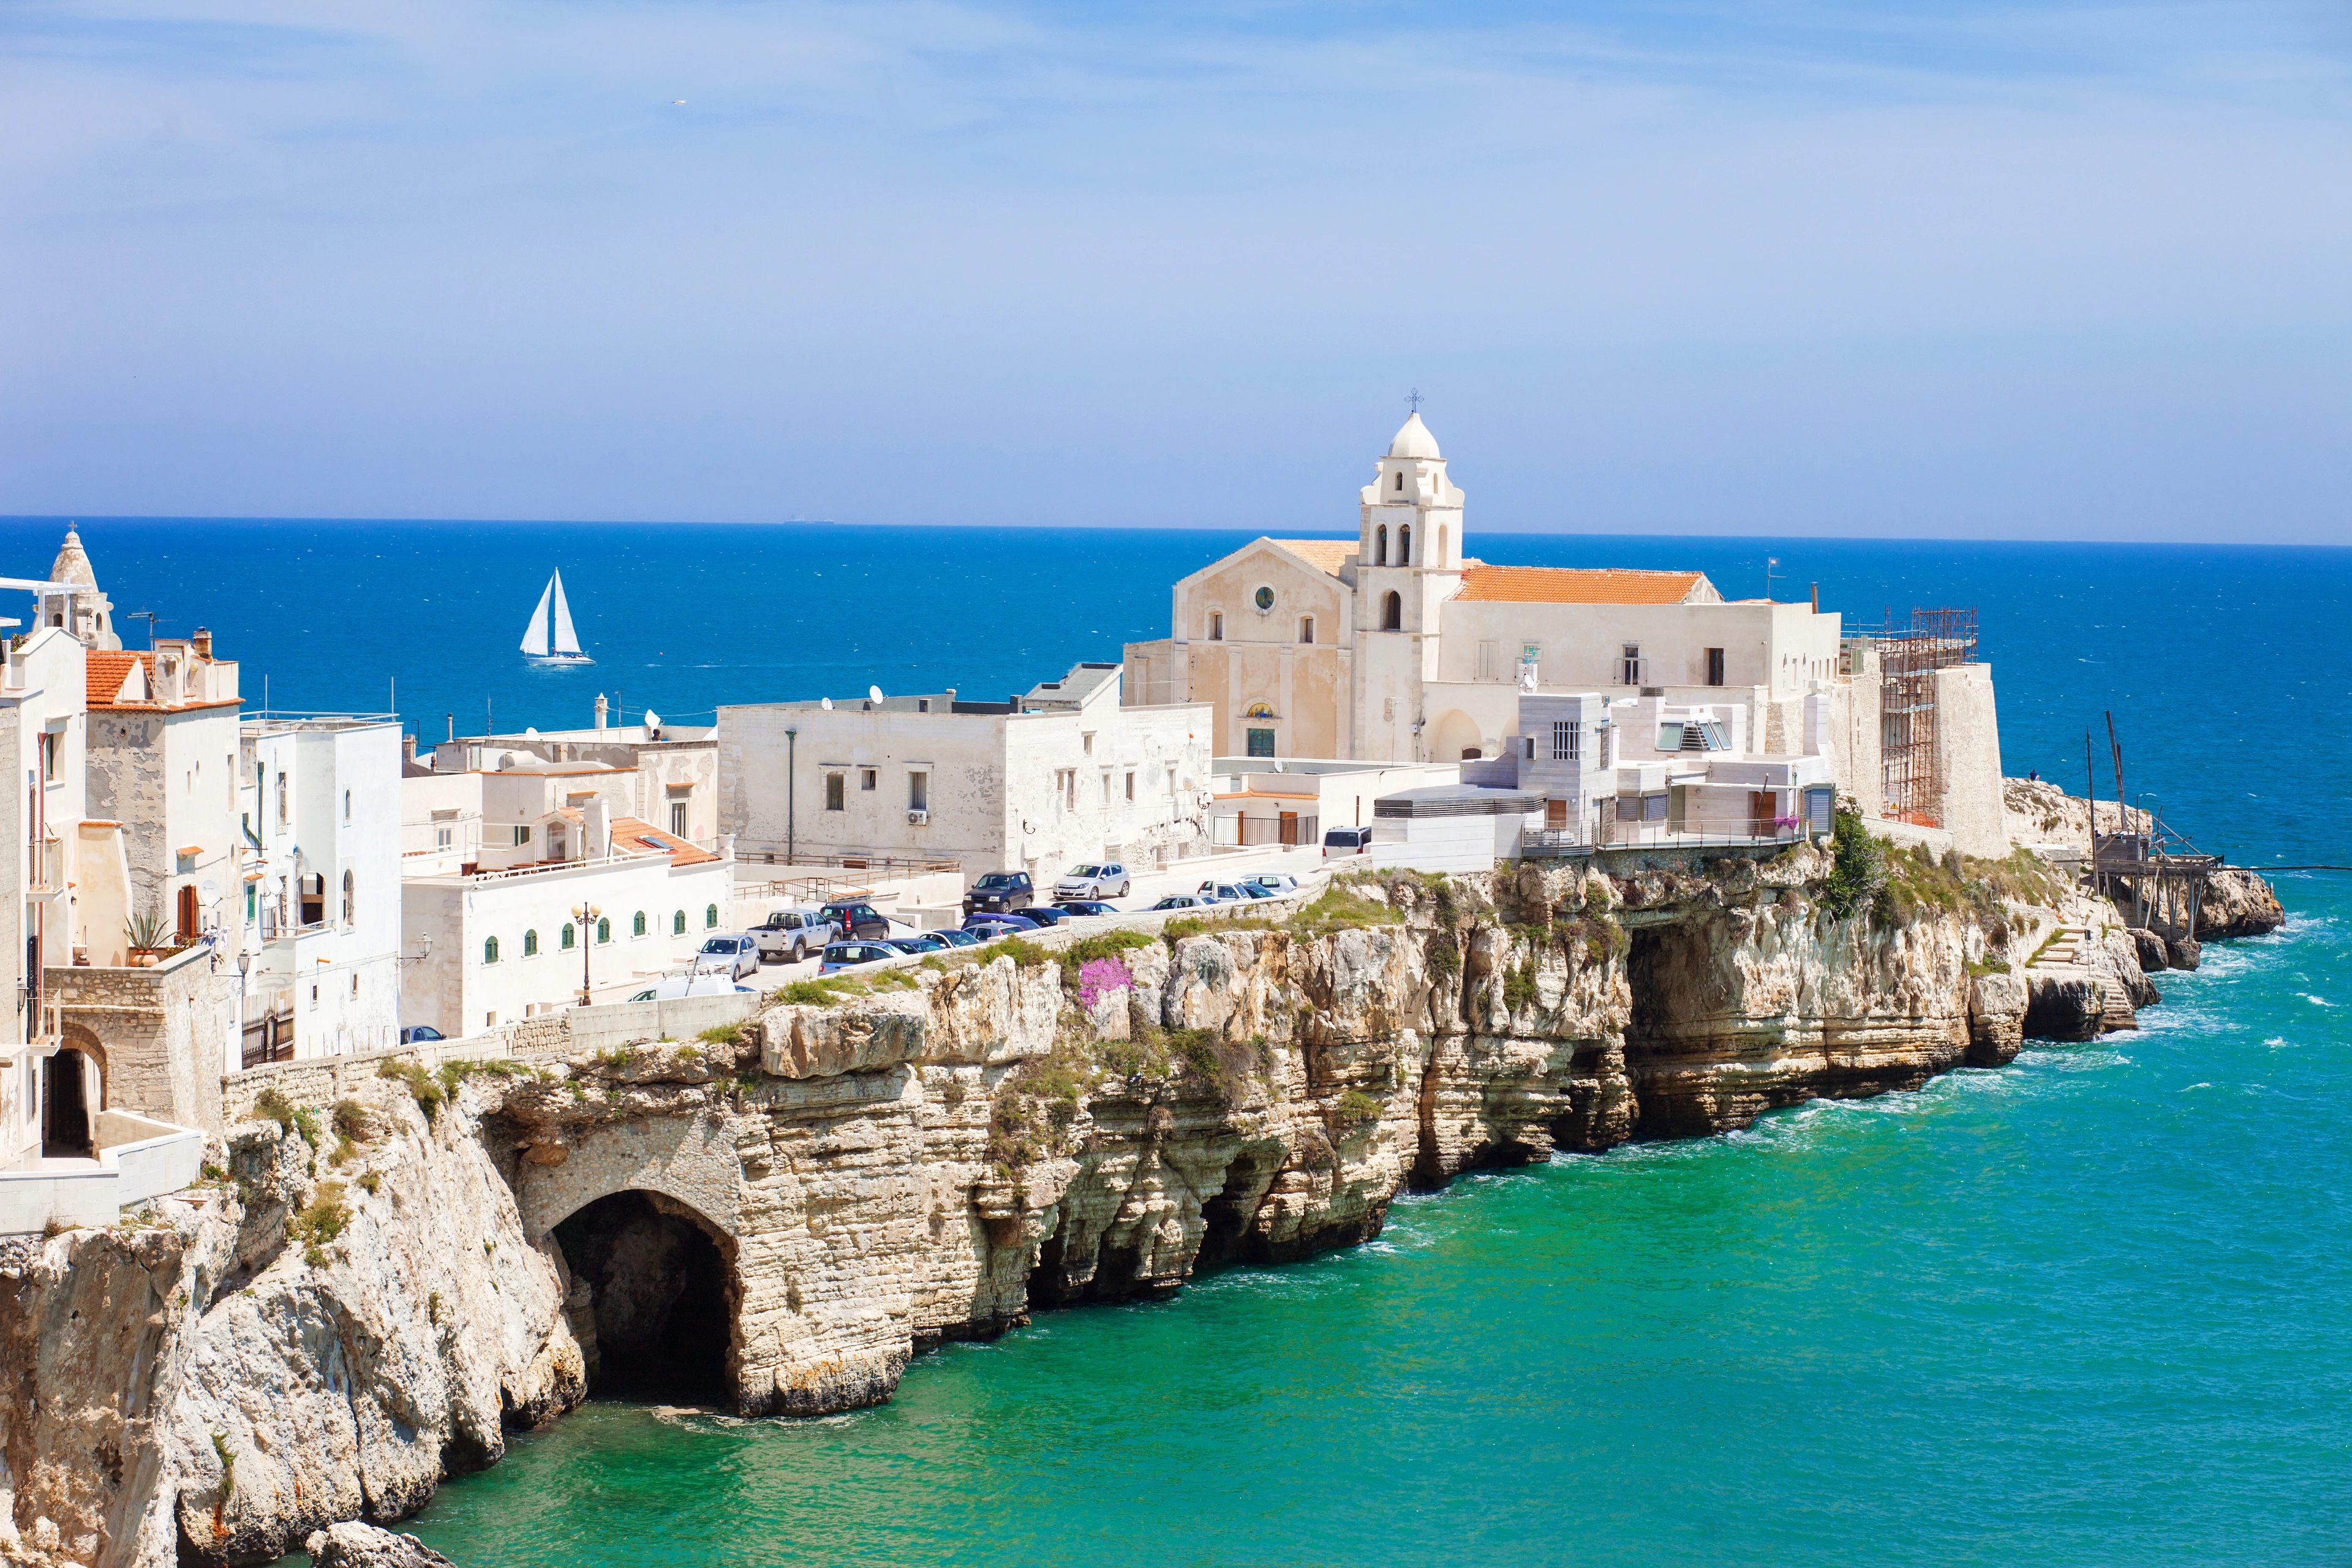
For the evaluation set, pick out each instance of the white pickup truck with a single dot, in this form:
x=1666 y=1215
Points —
x=788 y=936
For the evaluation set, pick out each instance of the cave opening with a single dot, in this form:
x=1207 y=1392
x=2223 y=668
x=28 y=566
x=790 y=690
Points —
x=657 y=1321
x=1666 y=971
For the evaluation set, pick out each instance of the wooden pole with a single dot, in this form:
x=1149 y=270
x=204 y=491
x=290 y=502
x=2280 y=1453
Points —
x=2115 y=752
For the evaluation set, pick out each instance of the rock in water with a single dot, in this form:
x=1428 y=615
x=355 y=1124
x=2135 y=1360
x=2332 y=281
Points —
x=352 y=1544
x=2180 y=953
x=2152 y=955
x=2237 y=902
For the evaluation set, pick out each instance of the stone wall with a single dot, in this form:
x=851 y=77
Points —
x=166 y=1032
x=1967 y=756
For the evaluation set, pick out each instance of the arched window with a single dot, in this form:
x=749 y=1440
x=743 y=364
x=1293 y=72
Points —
x=1404 y=545
x=1216 y=627
x=710 y=917
x=1380 y=545
x=490 y=950
x=531 y=943
x=351 y=903
x=571 y=937
x=603 y=931
x=677 y=923
x=1400 y=484
x=1306 y=629
x=1392 y=613
x=1440 y=545
x=637 y=925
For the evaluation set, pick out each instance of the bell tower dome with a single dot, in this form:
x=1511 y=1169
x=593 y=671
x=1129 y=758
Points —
x=78 y=606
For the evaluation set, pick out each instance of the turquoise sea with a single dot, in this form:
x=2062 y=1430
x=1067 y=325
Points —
x=2092 y=1308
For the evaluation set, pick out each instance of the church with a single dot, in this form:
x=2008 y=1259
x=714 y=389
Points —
x=1401 y=648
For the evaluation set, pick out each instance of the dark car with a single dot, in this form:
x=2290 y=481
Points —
x=415 y=1032
x=1087 y=907
x=1045 y=914
x=855 y=918
x=842 y=955
x=1000 y=892
x=990 y=927
x=922 y=942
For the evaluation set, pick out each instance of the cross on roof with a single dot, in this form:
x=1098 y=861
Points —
x=1414 y=400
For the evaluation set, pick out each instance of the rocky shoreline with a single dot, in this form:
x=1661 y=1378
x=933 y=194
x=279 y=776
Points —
x=371 y=1291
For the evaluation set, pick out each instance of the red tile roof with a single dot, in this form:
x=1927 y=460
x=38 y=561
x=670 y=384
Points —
x=1325 y=555
x=631 y=833
x=103 y=675
x=1577 y=585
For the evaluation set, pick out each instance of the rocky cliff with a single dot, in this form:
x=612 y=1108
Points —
x=780 y=1218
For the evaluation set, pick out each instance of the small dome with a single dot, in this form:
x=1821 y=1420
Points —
x=1414 y=440
x=71 y=564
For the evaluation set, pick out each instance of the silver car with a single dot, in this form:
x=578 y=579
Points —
x=733 y=956
x=1108 y=881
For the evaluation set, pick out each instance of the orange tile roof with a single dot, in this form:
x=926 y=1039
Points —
x=647 y=837
x=103 y=675
x=1575 y=585
x=1325 y=555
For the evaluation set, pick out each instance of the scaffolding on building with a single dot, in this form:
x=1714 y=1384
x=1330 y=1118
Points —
x=1911 y=777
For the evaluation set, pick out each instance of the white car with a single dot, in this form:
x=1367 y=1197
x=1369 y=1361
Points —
x=1108 y=881
x=1276 y=881
x=1185 y=902
x=792 y=935
x=734 y=956
x=1222 y=893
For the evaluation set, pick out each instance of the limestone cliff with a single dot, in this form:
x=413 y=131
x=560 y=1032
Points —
x=783 y=1215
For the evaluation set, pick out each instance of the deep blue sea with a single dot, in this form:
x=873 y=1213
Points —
x=2092 y=1308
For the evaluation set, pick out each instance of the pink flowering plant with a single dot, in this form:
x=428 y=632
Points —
x=1098 y=977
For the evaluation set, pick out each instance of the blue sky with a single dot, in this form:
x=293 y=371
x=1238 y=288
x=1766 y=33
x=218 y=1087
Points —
x=2038 y=270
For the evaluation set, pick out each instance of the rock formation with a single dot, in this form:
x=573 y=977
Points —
x=780 y=1218
x=354 y=1545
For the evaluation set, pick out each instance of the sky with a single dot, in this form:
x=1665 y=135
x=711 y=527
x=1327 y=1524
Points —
x=2041 y=270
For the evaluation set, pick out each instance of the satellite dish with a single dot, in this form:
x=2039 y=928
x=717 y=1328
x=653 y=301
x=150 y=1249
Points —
x=825 y=703
x=653 y=720
x=874 y=693
x=531 y=733
x=208 y=887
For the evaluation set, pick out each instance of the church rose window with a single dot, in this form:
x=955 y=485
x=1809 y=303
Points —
x=1265 y=598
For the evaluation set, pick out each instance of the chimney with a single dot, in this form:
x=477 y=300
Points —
x=203 y=642
x=1817 y=598
x=597 y=840
x=600 y=710
x=408 y=748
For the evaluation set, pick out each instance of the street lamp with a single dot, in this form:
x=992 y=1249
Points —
x=586 y=914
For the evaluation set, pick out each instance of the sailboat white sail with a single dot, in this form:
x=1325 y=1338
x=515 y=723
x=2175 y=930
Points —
x=563 y=646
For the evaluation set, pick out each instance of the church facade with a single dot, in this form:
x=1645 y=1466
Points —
x=1401 y=648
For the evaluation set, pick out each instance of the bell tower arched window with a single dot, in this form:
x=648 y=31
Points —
x=1392 y=613
x=1404 y=545
x=1440 y=545
x=1380 y=545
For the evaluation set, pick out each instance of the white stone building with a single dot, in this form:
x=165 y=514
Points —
x=674 y=768
x=317 y=905
x=162 y=762
x=498 y=866
x=1059 y=775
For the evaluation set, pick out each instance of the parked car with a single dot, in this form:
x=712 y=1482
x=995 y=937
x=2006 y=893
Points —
x=850 y=954
x=415 y=1032
x=1277 y=882
x=852 y=918
x=1252 y=889
x=957 y=938
x=988 y=927
x=1045 y=914
x=787 y=936
x=736 y=955
x=1107 y=880
x=1346 y=841
x=1086 y=906
x=1000 y=892
x=1185 y=902
x=1221 y=892
x=708 y=982
x=920 y=942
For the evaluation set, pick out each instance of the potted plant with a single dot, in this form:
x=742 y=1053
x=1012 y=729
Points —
x=146 y=933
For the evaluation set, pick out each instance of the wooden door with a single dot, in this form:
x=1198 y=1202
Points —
x=1760 y=812
x=1290 y=827
x=188 y=909
x=1556 y=816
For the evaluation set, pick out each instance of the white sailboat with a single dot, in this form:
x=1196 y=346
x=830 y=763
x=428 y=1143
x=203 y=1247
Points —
x=549 y=639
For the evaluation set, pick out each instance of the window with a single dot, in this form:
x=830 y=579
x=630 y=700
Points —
x=923 y=704
x=919 y=792
x=1130 y=783
x=1392 y=612
x=441 y=837
x=678 y=817
x=1105 y=789
x=555 y=842
x=1264 y=598
x=1715 y=667
x=1306 y=629
x=1216 y=627
x=49 y=756
x=637 y=924
x=248 y=902
x=285 y=813
x=1404 y=545
x=1086 y=742
x=1261 y=742
x=531 y=943
x=1629 y=664
x=1567 y=741
x=489 y=954
x=677 y=923
x=709 y=917
x=347 y=805
x=522 y=834
x=1400 y=478
x=867 y=778
x=837 y=787
x=571 y=937
x=1380 y=545
x=1489 y=666
x=604 y=931
x=351 y=903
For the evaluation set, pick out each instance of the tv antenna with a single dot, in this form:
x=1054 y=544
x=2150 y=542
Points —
x=150 y=617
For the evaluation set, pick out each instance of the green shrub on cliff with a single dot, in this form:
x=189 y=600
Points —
x=1519 y=986
x=320 y=1221
x=1857 y=866
x=275 y=1107
x=429 y=1096
x=1354 y=1108
x=1338 y=909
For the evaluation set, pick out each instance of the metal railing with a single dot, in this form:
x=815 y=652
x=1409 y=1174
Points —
x=888 y=864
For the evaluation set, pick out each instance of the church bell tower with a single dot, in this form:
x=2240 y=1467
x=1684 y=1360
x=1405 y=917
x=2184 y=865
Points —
x=1408 y=563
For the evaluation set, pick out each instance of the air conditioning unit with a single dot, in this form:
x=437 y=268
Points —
x=917 y=817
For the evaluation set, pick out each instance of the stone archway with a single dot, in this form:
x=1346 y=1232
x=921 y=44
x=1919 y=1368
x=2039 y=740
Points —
x=81 y=1037
x=1453 y=736
x=68 y=1120
x=654 y=1299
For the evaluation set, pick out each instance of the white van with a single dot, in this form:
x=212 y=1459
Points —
x=1346 y=841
